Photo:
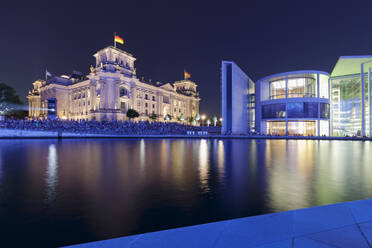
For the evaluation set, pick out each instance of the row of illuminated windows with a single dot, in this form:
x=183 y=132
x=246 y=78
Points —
x=299 y=87
x=79 y=95
x=295 y=110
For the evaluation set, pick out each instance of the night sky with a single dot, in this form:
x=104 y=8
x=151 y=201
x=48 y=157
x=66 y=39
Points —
x=262 y=37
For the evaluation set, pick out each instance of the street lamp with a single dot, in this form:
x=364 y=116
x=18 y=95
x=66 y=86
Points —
x=214 y=120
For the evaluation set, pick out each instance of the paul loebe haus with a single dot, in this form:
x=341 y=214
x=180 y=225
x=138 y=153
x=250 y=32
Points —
x=308 y=103
x=109 y=90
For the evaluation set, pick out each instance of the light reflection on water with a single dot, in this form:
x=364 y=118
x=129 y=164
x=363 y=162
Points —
x=51 y=173
x=99 y=189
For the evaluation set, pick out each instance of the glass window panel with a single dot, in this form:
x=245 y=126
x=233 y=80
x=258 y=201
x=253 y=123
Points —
x=324 y=128
x=302 y=110
x=324 y=110
x=346 y=103
x=303 y=128
x=311 y=110
x=323 y=86
x=301 y=87
x=295 y=109
x=273 y=111
x=276 y=127
x=277 y=89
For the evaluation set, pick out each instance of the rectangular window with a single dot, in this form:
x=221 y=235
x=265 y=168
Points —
x=166 y=99
x=277 y=89
x=324 y=110
x=273 y=111
x=302 y=110
x=301 y=87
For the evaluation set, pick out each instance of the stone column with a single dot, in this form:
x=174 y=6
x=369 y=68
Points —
x=132 y=96
x=117 y=94
x=171 y=105
x=158 y=105
x=103 y=93
x=92 y=95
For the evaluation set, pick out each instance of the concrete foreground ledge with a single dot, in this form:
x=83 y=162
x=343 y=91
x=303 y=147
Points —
x=345 y=225
x=36 y=134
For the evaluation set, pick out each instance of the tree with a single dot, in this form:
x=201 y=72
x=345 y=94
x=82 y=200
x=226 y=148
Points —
x=131 y=113
x=153 y=116
x=10 y=104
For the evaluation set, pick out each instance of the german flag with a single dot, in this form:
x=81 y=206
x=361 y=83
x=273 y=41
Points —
x=118 y=39
x=187 y=75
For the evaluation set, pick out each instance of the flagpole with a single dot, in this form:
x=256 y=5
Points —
x=114 y=40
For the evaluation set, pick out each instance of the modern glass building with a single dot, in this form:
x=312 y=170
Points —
x=308 y=103
x=293 y=103
x=351 y=96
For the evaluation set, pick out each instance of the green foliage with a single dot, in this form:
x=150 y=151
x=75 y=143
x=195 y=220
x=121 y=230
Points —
x=153 y=116
x=10 y=104
x=131 y=113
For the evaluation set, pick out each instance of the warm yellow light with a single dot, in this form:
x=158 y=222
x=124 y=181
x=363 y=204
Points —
x=221 y=119
x=64 y=117
x=203 y=117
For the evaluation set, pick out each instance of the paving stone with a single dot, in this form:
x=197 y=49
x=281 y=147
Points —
x=259 y=230
x=345 y=237
x=281 y=244
x=317 y=219
x=361 y=210
x=367 y=231
x=194 y=236
x=303 y=242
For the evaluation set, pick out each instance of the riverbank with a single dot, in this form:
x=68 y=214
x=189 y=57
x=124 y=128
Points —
x=347 y=224
x=35 y=134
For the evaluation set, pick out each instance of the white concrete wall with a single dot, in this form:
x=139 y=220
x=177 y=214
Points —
x=239 y=100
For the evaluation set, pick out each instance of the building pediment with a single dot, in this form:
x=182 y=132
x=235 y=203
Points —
x=167 y=86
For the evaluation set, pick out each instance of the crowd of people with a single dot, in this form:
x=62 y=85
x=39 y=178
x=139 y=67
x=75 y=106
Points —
x=103 y=127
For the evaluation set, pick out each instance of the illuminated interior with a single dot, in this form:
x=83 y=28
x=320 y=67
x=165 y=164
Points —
x=301 y=87
x=304 y=86
x=303 y=128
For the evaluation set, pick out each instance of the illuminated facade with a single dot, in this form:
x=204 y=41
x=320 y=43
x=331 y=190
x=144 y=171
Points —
x=237 y=100
x=308 y=103
x=351 y=96
x=109 y=90
x=293 y=103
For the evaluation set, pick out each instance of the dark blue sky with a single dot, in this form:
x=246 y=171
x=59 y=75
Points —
x=262 y=37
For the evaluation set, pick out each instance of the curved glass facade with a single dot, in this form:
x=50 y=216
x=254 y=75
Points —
x=294 y=103
x=296 y=110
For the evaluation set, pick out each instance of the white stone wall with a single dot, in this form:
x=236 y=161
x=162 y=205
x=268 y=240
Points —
x=98 y=97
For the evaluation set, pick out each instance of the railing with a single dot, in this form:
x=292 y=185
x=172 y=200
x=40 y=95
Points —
x=292 y=95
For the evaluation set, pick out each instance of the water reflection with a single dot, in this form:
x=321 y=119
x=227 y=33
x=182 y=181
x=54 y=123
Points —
x=203 y=165
x=99 y=189
x=51 y=173
x=142 y=154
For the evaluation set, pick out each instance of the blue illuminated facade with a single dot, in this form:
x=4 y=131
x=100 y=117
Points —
x=293 y=103
x=304 y=103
